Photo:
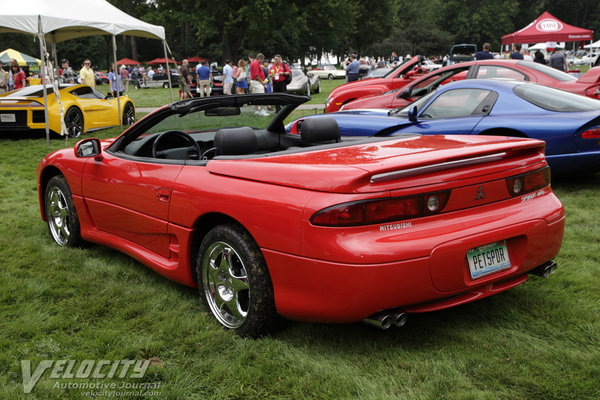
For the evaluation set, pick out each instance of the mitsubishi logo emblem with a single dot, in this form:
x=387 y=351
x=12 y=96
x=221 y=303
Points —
x=480 y=193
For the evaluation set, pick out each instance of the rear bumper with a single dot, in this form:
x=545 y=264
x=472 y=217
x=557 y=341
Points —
x=325 y=291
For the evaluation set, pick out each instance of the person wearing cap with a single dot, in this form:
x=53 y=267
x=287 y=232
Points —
x=66 y=73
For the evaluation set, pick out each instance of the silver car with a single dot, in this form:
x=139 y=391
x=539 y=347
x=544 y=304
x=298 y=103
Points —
x=303 y=84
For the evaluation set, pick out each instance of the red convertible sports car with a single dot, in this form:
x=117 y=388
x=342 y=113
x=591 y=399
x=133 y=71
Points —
x=586 y=85
x=396 y=78
x=210 y=193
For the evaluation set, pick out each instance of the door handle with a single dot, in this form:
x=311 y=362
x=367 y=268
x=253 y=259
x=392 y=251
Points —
x=163 y=194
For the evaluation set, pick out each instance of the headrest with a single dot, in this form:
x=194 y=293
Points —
x=235 y=141
x=318 y=130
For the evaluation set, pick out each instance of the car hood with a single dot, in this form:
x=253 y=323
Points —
x=373 y=101
x=353 y=168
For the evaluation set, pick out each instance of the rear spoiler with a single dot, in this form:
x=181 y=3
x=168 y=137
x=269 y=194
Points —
x=592 y=76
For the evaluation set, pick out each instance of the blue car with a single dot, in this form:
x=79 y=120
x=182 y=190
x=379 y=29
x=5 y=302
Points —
x=569 y=123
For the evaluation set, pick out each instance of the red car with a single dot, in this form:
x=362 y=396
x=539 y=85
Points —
x=587 y=85
x=396 y=78
x=308 y=227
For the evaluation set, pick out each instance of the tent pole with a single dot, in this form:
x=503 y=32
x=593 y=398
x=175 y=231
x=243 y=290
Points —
x=168 y=71
x=55 y=55
x=116 y=71
x=43 y=73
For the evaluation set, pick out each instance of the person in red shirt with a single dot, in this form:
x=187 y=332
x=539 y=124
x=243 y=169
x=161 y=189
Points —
x=258 y=81
x=16 y=76
x=279 y=72
x=257 y=76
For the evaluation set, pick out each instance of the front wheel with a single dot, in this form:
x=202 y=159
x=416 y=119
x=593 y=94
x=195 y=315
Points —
x=60 y=213
x=74 y=122
x=318 y=87
x=330 y=77
x=308 y=88
x=234 y=281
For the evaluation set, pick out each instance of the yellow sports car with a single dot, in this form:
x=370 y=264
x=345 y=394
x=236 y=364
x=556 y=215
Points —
x=85 y=109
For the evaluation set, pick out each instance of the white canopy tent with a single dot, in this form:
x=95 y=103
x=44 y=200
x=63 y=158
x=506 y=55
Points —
x=55 y=21
x=594 y=47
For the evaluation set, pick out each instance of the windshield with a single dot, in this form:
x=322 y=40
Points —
x=403 y=112
x=403 y=65
x=555 y=100
x=554 y=73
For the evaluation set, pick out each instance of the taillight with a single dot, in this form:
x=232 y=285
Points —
x=593 y=133
x=382 y=210
x=528 y=182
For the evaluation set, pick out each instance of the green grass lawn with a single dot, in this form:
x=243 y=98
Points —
x=540 y=340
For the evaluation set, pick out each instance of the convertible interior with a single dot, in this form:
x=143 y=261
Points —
x=185 y=131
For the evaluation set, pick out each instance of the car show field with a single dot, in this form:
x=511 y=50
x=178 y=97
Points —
x=539 y=340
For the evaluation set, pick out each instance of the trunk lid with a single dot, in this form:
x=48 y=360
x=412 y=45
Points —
x=374 y=166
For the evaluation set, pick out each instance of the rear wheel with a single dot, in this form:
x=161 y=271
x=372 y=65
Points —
x=234 y=281
x=74 y=122
x=166 y=85
x=128 y=114
x=318 y=87
x=60 y=213
x=308 y=88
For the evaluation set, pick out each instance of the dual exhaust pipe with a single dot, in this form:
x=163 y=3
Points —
x=544 y=270
x=385 y=319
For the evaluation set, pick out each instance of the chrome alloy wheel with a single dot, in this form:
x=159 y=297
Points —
x=57 y=213
x=225 y=284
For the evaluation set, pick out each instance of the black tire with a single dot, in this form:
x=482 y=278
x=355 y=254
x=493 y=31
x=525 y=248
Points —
x=60 y=212
x=128 y=114
x=318 y=87
x=166 y=85
x=330 y=77
x=308 y=88
x=231 y=264
x=74 y=122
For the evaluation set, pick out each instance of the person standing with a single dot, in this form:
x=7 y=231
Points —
x=558 y=60
x=116 y=84
x=485 y=53
x=352 y=68
x=87 y=74
x=279 y=73
x=539 y=58
x=257 y=76
x=241 y=84
x=184 y=70
x=265 y=68
x=516 y=54
x=227 y=77
x=3 y=80
x=204 y=78
x=125 y=76
x=66 y=74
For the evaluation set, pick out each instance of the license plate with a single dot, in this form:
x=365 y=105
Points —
x=8 y=118
x=486 y=259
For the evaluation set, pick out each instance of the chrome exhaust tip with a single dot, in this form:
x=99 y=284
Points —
x=544 y=270
x=384 y=320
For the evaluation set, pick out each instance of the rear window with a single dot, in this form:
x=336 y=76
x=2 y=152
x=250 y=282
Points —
x=552 y=72
x=555 y=100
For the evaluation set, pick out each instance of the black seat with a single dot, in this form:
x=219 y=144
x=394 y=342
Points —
x=235 y=141
x=319 y=131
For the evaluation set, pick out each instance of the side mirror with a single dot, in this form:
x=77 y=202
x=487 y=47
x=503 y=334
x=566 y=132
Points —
x=405 y=94
x=88 y=148
x=412 y=114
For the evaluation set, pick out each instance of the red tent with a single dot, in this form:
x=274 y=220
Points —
x=196 y=59
x=160 y=61
x=547 y=28
x=127 y=61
